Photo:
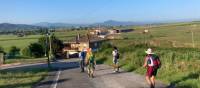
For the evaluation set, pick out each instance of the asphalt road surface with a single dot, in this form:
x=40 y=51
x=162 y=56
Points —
x=66 y=74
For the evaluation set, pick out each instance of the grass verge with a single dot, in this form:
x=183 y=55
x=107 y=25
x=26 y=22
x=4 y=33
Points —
x=180 y=66
x=24 y=78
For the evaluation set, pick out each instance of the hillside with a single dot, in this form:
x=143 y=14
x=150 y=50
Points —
x=12 y=27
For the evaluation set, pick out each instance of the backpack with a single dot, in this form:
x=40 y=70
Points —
x=154 y=61
x=117 y=54
x=83 y=54
x=91 y=59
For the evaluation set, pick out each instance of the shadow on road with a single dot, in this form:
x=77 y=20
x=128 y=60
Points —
x=49 y=82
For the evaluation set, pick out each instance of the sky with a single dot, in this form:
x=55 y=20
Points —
x=91 y=11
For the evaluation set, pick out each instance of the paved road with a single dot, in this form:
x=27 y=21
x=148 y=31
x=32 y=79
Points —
x=69 y=76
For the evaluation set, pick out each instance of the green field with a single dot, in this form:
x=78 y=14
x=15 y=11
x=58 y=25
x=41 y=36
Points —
x=6 y=41
x=24 y=78
x=180 y=61
x=170 y=35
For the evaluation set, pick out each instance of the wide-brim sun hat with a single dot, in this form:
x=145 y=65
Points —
x=149 y=51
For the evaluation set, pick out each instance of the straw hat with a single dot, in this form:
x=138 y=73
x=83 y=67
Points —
x=149 y=51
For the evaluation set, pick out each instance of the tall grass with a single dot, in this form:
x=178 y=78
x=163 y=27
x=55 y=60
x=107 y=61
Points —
x=180 y=66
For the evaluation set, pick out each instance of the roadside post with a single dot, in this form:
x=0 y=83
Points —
x=1 y=58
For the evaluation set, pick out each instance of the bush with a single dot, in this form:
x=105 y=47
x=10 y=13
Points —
x=13 y=52
x=1 y=49
x=36 y=50
x=26 y=52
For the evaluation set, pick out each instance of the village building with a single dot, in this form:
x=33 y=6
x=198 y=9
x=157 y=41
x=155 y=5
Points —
x=114 y=31
x=79 y=43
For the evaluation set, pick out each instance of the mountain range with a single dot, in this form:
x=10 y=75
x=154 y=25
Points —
x=105 y=23
x=9 y=26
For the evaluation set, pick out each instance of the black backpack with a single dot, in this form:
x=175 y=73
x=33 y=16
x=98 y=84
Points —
x=117 y=55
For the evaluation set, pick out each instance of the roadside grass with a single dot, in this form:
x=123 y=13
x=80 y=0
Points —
x=26 y=60
x=180 y=66
x=23 y=78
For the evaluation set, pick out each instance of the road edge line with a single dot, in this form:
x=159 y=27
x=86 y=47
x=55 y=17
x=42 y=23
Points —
x=55 y=83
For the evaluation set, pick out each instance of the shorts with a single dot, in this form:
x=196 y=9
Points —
x=151 y=71
x=91 y=66
x=115 y=60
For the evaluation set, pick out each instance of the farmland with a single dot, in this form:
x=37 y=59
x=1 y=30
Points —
x=6 y=41
x=173 y=43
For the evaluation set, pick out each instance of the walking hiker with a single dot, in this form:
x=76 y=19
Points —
x=90 y=63
x=152 y=63
x=115 y=54
x=82 y=56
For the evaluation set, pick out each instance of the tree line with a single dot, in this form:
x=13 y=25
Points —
x=37 y=49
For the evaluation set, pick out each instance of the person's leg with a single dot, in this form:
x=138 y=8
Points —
x=148 y=80
x=117 y=65
x=88 y=69
x=113 y=63
x=153 y=81
x=148 y=76
x=81 y=66
x=92 y=72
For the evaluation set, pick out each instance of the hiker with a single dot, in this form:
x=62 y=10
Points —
x=82 y=56
x=90 y=60
x=152 y=63
x=115 y=54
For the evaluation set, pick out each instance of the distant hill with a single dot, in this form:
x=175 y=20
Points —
x=47 y=24
x=11 y=27
x=118 y=23
x=8 y=26
x=105 y=23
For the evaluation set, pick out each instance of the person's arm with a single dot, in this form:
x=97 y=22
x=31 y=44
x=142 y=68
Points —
x=79 y=55
x=145 y=62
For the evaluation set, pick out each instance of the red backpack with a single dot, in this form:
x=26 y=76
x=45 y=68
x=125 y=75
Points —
x=156 y=61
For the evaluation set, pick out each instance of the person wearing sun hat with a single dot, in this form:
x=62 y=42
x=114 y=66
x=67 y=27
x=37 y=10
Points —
x=152 y=63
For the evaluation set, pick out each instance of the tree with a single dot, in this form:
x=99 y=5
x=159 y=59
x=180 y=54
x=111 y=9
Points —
x=36 y=50
x=1 y=49
x=14 y=51
x=26 y=52
x=56 y=44
x=44 y=41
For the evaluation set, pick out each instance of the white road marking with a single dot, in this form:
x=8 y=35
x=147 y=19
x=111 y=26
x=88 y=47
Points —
x=55 y=83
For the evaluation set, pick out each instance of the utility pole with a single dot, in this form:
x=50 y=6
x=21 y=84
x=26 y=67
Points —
x=47 y=49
